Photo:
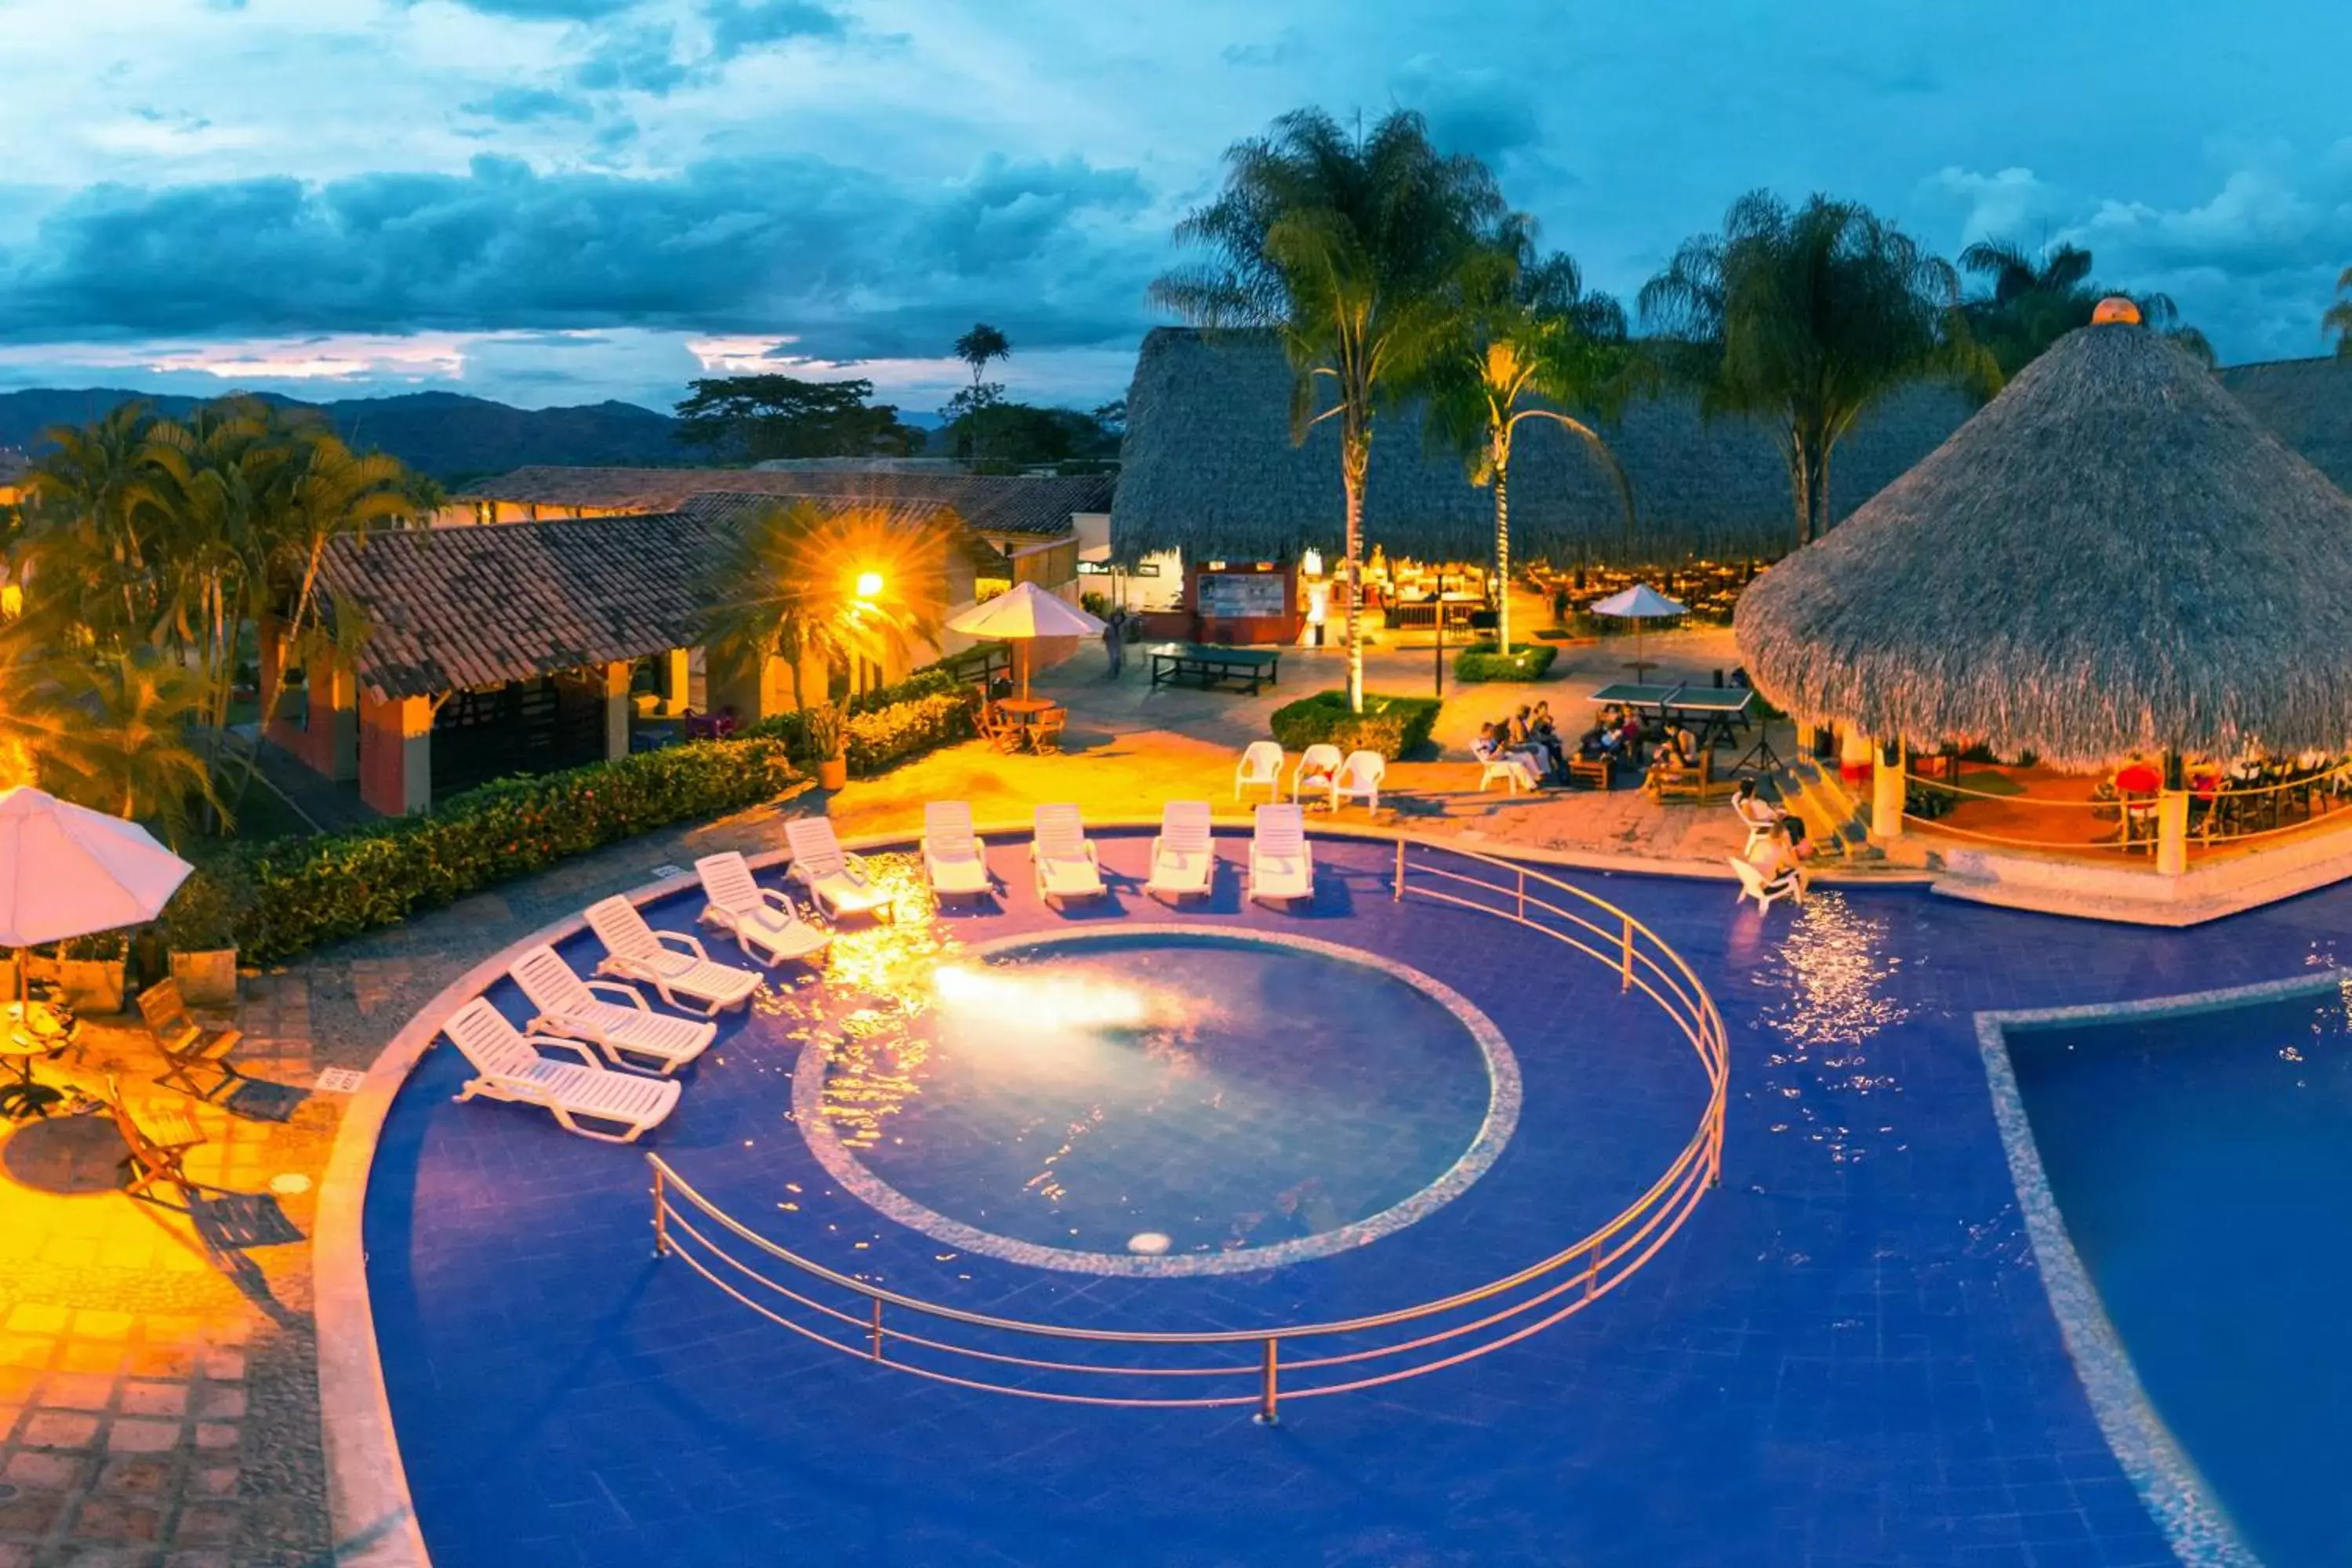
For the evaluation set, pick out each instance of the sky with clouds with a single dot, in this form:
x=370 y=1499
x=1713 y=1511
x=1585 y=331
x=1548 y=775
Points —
x=560 y=201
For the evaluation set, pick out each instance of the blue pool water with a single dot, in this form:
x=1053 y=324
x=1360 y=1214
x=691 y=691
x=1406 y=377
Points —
x=1160 y=1094
x=2203 y=1165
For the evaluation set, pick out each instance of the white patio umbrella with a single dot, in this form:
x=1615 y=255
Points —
x=1021 y=613
x=68 y=872
x=1638 y=603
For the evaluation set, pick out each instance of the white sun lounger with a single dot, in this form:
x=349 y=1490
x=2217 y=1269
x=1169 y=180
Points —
x=1359 y=779
x=953 y=856
x=1183 y=863
x=675 y=964
x=509 y=1066
x=762 y=920
x=1261 y=763
x=1752 y=884
x=630 y=1032
x=1064 y=856
x=1281 y=864
x=835 y=878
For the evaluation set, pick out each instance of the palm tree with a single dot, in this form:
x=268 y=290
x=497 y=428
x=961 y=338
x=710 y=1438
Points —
x=984 y=343
x=2033 y=304
x=126 y=749
x=1528 y=329
x=1806 y=318
x=93 y=511
x=799 y=581
x=1353 y=248
x=2339 y=319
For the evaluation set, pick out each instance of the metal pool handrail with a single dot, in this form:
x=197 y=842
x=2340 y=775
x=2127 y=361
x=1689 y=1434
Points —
x=1546 y=1291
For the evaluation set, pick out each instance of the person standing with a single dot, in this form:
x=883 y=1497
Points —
x=1114 y=637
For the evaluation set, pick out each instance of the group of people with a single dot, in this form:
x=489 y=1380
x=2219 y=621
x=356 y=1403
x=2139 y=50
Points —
x=1528 y=742
x=1781 y=849
x=1618 y=732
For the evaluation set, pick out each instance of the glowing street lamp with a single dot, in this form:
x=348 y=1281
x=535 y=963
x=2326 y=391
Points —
x=870 y=585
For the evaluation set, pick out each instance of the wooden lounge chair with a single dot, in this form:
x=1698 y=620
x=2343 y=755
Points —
x=1752 y=885
x=836 y=879
x=675 y=964
x=1064 y=856
x=1317 y=776
x=153 y=1145
x=1665 y=782
x=1183 y=860
x=628 y=1030
x=1261 y=763
x=508 y=1065
x=762 y=920
x=1359 y=779
x=954 y=858
x=188 y=1046
x=1281 y=863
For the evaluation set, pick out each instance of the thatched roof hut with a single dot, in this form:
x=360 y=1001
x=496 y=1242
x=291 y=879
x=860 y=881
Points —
x=2307 y=402
x=2113 y=556
x=1208 y=468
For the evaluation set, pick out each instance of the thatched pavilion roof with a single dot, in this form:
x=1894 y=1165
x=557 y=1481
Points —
x=2113 y=556
x=1208 y=468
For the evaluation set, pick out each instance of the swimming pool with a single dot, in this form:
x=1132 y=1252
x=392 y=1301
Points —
x=2203 y=1163
x=1211 y=1101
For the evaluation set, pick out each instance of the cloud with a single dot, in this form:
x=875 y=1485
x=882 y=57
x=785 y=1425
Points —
x=854 y=264
x=636 y=60
x=1287 y=48
x=2007 y=205
x=548 y=10
x=1480 y=111
x=521 y=105
x=737 y=25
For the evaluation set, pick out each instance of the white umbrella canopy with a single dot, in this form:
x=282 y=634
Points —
x=68 y=871
x=1638 y=603
x=1020 y=613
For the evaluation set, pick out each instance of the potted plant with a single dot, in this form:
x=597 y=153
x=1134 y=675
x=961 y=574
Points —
x=91 y=971
x=826 y=726
x=200 y=926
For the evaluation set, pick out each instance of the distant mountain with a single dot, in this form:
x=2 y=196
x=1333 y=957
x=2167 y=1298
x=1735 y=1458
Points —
x=450 y=436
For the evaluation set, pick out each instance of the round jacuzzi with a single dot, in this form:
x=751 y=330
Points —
x=1161 y=1100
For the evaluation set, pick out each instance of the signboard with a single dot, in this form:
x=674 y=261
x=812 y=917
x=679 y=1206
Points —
x=1233 y=595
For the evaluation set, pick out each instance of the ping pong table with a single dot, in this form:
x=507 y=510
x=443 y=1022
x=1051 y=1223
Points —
x=1710 y=711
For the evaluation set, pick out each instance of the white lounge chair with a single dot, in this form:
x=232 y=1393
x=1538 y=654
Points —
x=763 y=920
x=1359 y=779
x=1752 y=885
x=1064 y=856
x=836 y=879
x=629 y=1031
x=675 y=964
x=1184 y=861
x=1319 y=770
x=1281 y=863
x=507 y=1065
x=1261 y=763
x=953 y=856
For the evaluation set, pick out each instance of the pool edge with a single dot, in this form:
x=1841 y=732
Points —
x=2176 y=1496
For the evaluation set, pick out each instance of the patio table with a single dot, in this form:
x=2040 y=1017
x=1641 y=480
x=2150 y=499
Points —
x=1207 y=665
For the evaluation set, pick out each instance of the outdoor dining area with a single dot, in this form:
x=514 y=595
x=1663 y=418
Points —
x=1007 y=716
x=2110 y=617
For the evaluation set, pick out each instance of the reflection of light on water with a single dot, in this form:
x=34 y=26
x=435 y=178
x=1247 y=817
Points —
x=1833 y=971
x=1010 y=999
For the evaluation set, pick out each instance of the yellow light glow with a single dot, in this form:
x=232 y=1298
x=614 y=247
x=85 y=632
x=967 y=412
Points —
x=869 y=585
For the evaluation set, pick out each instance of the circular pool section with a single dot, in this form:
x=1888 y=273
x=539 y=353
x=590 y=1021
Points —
x=1163 y=1101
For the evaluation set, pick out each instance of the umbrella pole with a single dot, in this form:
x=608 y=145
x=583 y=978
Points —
x=1021 y=652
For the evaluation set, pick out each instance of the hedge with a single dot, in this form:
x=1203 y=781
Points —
x=309 y=892
x=1479 y=661
x=1389 y=725
x=881 y=737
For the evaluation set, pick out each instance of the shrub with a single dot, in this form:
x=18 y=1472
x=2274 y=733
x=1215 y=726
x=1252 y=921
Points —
x=204 y=915
x=313 y=891
x=101 y=947
x=1389 y=725
x=883 y=739
x=1479 y=661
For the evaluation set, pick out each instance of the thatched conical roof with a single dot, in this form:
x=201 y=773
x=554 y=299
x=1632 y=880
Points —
x=2113 y=555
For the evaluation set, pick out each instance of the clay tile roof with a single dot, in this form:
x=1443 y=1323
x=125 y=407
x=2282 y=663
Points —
x=1038 y=505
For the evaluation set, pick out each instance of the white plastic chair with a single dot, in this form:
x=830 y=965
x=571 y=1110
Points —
x=1183 y=860
x=1752 y=885
x=510 y=1066
x=836 y=879
x=953 y=856
x=762 y=920
x=1261 y=763
x=629 y=1031
x=1317 y=773
x=1063 y=856
x=1359 y=779
x=1759 y=821
x=1501 y=765
x=1281 y=863
x=675 y=964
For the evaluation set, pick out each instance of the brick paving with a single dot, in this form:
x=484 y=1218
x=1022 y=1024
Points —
x=158 y=1367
